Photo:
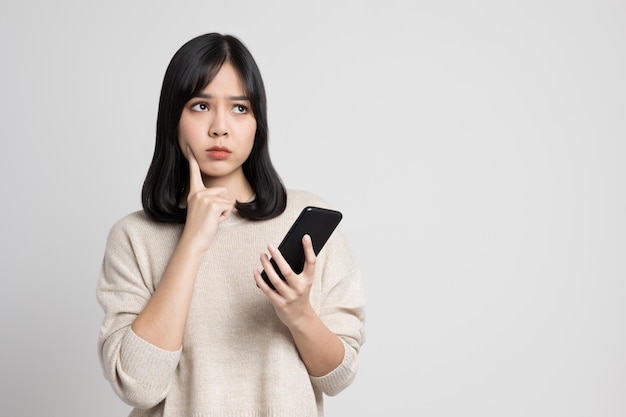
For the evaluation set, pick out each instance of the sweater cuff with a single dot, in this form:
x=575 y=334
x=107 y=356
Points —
x=341 y=377
x=146 y=369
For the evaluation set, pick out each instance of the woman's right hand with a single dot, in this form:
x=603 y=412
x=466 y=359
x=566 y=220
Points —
x=206 y=208
x=162 y=321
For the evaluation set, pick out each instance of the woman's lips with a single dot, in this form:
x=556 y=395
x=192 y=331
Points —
x=218 y=152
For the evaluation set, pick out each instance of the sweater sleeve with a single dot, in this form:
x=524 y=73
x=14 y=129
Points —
x=139 y=372
x=342 y=309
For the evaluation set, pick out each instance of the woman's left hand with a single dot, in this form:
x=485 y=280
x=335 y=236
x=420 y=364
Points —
x=291 y=297
x=320 y=349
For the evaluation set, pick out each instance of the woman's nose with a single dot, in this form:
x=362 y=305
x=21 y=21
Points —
x=219 y=125
x=218 y=132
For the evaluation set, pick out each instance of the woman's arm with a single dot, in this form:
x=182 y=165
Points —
x=141 y=334
x=320 y=349
x=162 y=322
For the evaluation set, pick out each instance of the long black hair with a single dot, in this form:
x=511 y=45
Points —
x=191 y=69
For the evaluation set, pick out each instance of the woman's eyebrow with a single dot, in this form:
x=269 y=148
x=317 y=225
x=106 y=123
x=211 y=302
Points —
x=209 y=96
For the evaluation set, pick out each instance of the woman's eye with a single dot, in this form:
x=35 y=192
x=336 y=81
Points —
x=240 y=109
x=200 y=107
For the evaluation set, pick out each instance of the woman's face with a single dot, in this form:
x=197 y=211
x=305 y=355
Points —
x=219 y=127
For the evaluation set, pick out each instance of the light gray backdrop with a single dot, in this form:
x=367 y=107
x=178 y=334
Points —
x=477 y=150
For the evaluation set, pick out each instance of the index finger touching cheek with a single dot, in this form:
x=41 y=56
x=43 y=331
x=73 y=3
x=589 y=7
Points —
x=195 y=175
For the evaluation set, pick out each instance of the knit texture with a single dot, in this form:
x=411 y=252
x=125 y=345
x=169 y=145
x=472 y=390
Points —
x=237 y=358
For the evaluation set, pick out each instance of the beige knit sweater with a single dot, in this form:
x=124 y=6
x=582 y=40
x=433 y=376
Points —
x=237 y=358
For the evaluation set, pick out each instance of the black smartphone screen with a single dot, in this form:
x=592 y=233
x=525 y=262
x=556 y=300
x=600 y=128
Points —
x=317 y=222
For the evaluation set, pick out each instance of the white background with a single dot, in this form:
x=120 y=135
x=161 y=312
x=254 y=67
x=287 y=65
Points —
x=477 y=150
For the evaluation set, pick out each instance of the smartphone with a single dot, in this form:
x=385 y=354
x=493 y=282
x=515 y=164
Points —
x=317 y=222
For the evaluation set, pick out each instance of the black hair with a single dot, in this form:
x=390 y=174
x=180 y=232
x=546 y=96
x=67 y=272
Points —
x=191 y=69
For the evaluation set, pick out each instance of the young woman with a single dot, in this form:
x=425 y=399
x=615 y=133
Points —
x=190 y=327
